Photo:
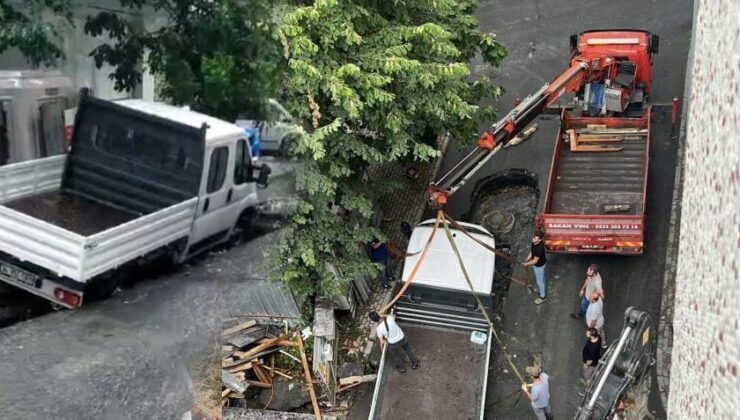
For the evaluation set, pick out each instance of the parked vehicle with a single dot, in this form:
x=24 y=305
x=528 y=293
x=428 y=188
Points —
x=278 y=132
x=143 y=180
x=32 y=106
x=438 y=313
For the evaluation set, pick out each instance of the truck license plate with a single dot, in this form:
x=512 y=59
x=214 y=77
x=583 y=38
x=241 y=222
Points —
x=18 y=275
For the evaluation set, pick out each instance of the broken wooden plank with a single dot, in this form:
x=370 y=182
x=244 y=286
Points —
x=232 y=381
x=261 y=347
x=231 y=363
x=360 y=378
x=241 y=368
x=259 y=384
x=261 y=374
x=279 y=372
x=237 y=328
x=225 y=392
x=307 y=372
x=344 y=388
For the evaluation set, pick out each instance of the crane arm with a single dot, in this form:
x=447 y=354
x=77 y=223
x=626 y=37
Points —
x=581 y=71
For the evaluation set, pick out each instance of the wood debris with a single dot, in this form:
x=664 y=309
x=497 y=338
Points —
x=247 y=362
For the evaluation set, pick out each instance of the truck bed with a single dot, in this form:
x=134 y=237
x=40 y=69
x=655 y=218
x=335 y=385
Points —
x=77 y=214
x=448 y=384
x=587 y=181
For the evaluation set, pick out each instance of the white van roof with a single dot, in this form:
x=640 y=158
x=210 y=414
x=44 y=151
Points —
x=217 y=129
x=441 y=269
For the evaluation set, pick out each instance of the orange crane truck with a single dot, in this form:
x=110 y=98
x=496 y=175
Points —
x=595 y=199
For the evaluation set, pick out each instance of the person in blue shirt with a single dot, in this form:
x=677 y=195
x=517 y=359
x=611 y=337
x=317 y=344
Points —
x=379 y=254
x=539 y=394
x=253 y=134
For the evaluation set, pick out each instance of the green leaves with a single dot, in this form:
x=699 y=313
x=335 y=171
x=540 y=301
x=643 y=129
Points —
x=26 y=26
x=221 y=57
x=378 y=81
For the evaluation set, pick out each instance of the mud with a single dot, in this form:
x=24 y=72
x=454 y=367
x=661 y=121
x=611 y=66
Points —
x=71 y=212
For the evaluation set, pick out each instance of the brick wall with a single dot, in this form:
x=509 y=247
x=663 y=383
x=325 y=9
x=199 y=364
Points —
x=706 y=352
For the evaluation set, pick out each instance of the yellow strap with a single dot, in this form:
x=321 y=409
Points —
x=477 y=298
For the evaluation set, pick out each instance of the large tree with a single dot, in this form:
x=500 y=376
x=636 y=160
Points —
x=376 y=81
x=33 y=26
x=220 y=57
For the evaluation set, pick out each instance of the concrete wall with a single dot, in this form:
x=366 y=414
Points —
x=706 y=352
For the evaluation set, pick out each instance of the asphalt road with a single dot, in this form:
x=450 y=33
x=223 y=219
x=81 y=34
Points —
x=136 y=354
x=535 y=33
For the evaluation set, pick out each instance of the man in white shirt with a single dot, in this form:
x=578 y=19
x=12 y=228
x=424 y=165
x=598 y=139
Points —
x=595 y=316
x=389 y=331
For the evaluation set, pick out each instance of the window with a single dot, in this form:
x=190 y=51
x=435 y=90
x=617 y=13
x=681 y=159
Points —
x=217 y=169
x=52 y=141
x=242 y=164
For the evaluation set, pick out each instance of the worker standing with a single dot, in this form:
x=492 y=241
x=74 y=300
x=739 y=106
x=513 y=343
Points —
x=389 y=331
x=592 y=283
x=591 y=353
x=379 y=254
x=595 y=316
x=537 y=261
x=539 y=394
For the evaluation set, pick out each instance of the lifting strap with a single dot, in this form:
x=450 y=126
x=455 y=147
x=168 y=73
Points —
x=477 y=298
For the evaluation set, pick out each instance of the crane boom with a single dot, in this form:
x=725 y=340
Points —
x=582 y=70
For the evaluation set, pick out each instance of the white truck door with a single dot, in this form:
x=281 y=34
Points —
x=244 y=193
x=214 y=219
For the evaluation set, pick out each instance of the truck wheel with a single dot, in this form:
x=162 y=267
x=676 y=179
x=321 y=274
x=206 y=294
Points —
x=237 y=237
x=245 y=225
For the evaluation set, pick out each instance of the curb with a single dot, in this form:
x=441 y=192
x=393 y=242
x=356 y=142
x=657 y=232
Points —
x=668 y=295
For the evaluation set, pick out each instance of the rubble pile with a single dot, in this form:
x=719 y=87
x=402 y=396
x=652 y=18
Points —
x=248 y=352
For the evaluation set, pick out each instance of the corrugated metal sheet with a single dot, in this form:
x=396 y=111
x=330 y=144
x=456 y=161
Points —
x=270 y=299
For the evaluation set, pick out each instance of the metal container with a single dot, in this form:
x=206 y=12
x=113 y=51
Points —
x=32 y=105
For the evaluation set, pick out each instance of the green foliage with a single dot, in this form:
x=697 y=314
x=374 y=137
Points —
x=377 y=80
x=221 y=57
x=33 y=27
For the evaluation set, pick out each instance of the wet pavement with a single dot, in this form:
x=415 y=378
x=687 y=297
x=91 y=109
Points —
x=536 y=34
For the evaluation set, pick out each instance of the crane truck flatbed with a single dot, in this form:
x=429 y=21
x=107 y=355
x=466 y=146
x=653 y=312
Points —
x=448 y=383
x=438 y=313
x=595 y=200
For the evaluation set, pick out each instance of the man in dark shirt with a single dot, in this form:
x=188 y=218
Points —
x=379 y=255
x=537 y=261
x=591 y=353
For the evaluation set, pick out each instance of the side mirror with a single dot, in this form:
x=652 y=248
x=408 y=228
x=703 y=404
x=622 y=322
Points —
x=654 y=44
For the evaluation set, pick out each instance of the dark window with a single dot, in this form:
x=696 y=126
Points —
x=4 y=132
x=52 y=127
x=217 y=170
x=242 y=162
